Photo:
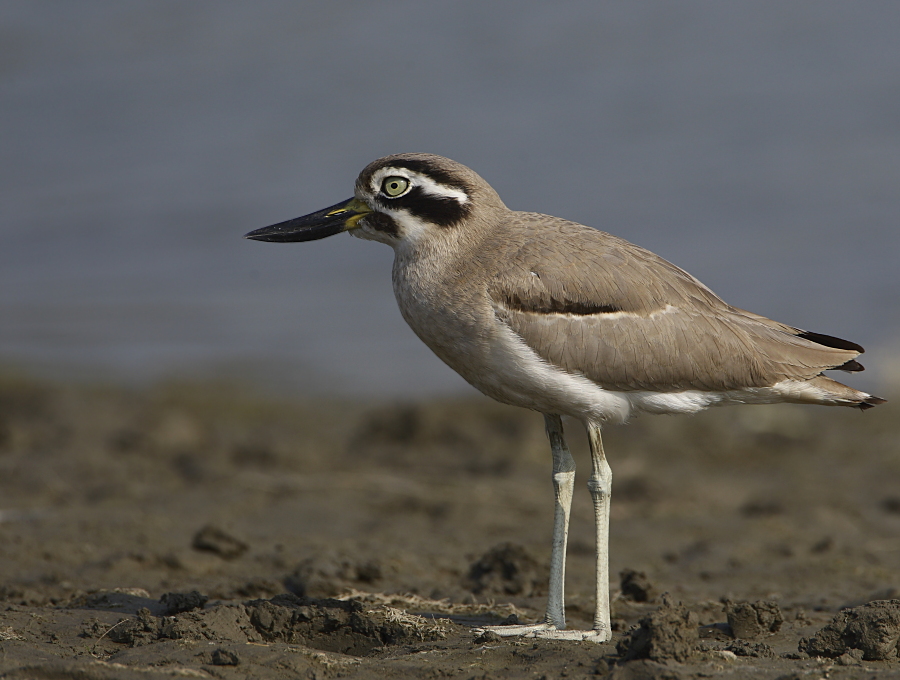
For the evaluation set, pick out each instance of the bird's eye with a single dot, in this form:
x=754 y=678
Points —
x=394 y=186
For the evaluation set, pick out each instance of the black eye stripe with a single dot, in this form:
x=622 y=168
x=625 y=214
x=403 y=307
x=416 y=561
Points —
x=384 y=223
x=443 y=211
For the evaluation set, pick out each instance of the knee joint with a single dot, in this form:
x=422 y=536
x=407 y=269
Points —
x=597 y=488
x=563 y=478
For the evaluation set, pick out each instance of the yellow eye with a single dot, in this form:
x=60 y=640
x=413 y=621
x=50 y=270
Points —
x=394 y=186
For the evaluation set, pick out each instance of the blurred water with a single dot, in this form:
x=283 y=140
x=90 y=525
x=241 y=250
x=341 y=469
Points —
x=756 y=144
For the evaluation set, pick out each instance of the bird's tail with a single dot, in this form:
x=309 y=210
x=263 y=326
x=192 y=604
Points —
x=824 y=390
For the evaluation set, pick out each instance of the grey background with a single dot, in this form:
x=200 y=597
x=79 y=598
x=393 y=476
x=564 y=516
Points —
x=755 y=144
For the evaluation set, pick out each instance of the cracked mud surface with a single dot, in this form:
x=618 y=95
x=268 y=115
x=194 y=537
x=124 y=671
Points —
x=200 y=531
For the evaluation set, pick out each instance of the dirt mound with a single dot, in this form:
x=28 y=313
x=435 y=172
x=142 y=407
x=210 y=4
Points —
x=347 y=627
x=214 y=540
x=177 y=603
x=328 y=574
x=508 y=569
x=668 y=634
x=636 y=586
x=753 y=619
x=745 y=648
x=873 y=629
x=343 y=626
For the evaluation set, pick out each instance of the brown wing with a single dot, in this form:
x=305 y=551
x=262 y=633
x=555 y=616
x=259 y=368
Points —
x=599 y=306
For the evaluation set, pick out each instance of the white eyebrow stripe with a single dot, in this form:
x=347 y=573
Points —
x=428 y=185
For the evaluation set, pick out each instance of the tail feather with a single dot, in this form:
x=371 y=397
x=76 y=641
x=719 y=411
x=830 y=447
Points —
x=852 y=366
x=823 y=390
x=870 y=402
x=827 y=391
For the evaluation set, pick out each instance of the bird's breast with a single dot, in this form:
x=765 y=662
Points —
x=454 y=317
x=448 y=312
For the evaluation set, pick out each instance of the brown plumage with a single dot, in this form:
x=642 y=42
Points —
x=554 y=316
x=594 y=304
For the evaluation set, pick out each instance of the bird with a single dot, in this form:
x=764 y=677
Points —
x=561 y=318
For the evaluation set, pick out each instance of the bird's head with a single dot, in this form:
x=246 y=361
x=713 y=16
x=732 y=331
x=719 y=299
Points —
x=401 y=198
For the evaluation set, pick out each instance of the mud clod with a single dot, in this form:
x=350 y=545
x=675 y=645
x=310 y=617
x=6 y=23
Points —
x=669 y=633
x=487 y=636
x=873 y=628
x=851 y=658
x=347 y=627
x=215 y=540
x=330 y=575
x=636 y=586
x=224 y=623
x=177 y=603
x=759 y=650
x=749 y=620
x=140 y=630
x=507 y=569
x=225 y=657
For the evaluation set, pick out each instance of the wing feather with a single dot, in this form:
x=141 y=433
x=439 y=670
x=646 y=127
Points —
x=598 y=306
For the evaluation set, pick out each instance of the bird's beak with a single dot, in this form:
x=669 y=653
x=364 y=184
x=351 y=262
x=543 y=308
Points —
x=327 y=222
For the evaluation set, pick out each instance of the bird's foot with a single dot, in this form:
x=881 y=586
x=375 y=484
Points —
x=546 y=631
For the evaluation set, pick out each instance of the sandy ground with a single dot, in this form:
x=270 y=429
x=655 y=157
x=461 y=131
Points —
x=204 y=531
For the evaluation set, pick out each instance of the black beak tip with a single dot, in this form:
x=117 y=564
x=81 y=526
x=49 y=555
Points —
x=312 y=227
x=271 y=235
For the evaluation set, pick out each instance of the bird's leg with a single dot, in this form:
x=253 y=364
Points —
x=563 y=487
x=554 y=623
x=600 y=485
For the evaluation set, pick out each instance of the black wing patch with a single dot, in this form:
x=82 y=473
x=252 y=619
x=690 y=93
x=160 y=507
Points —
x=549 y=305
